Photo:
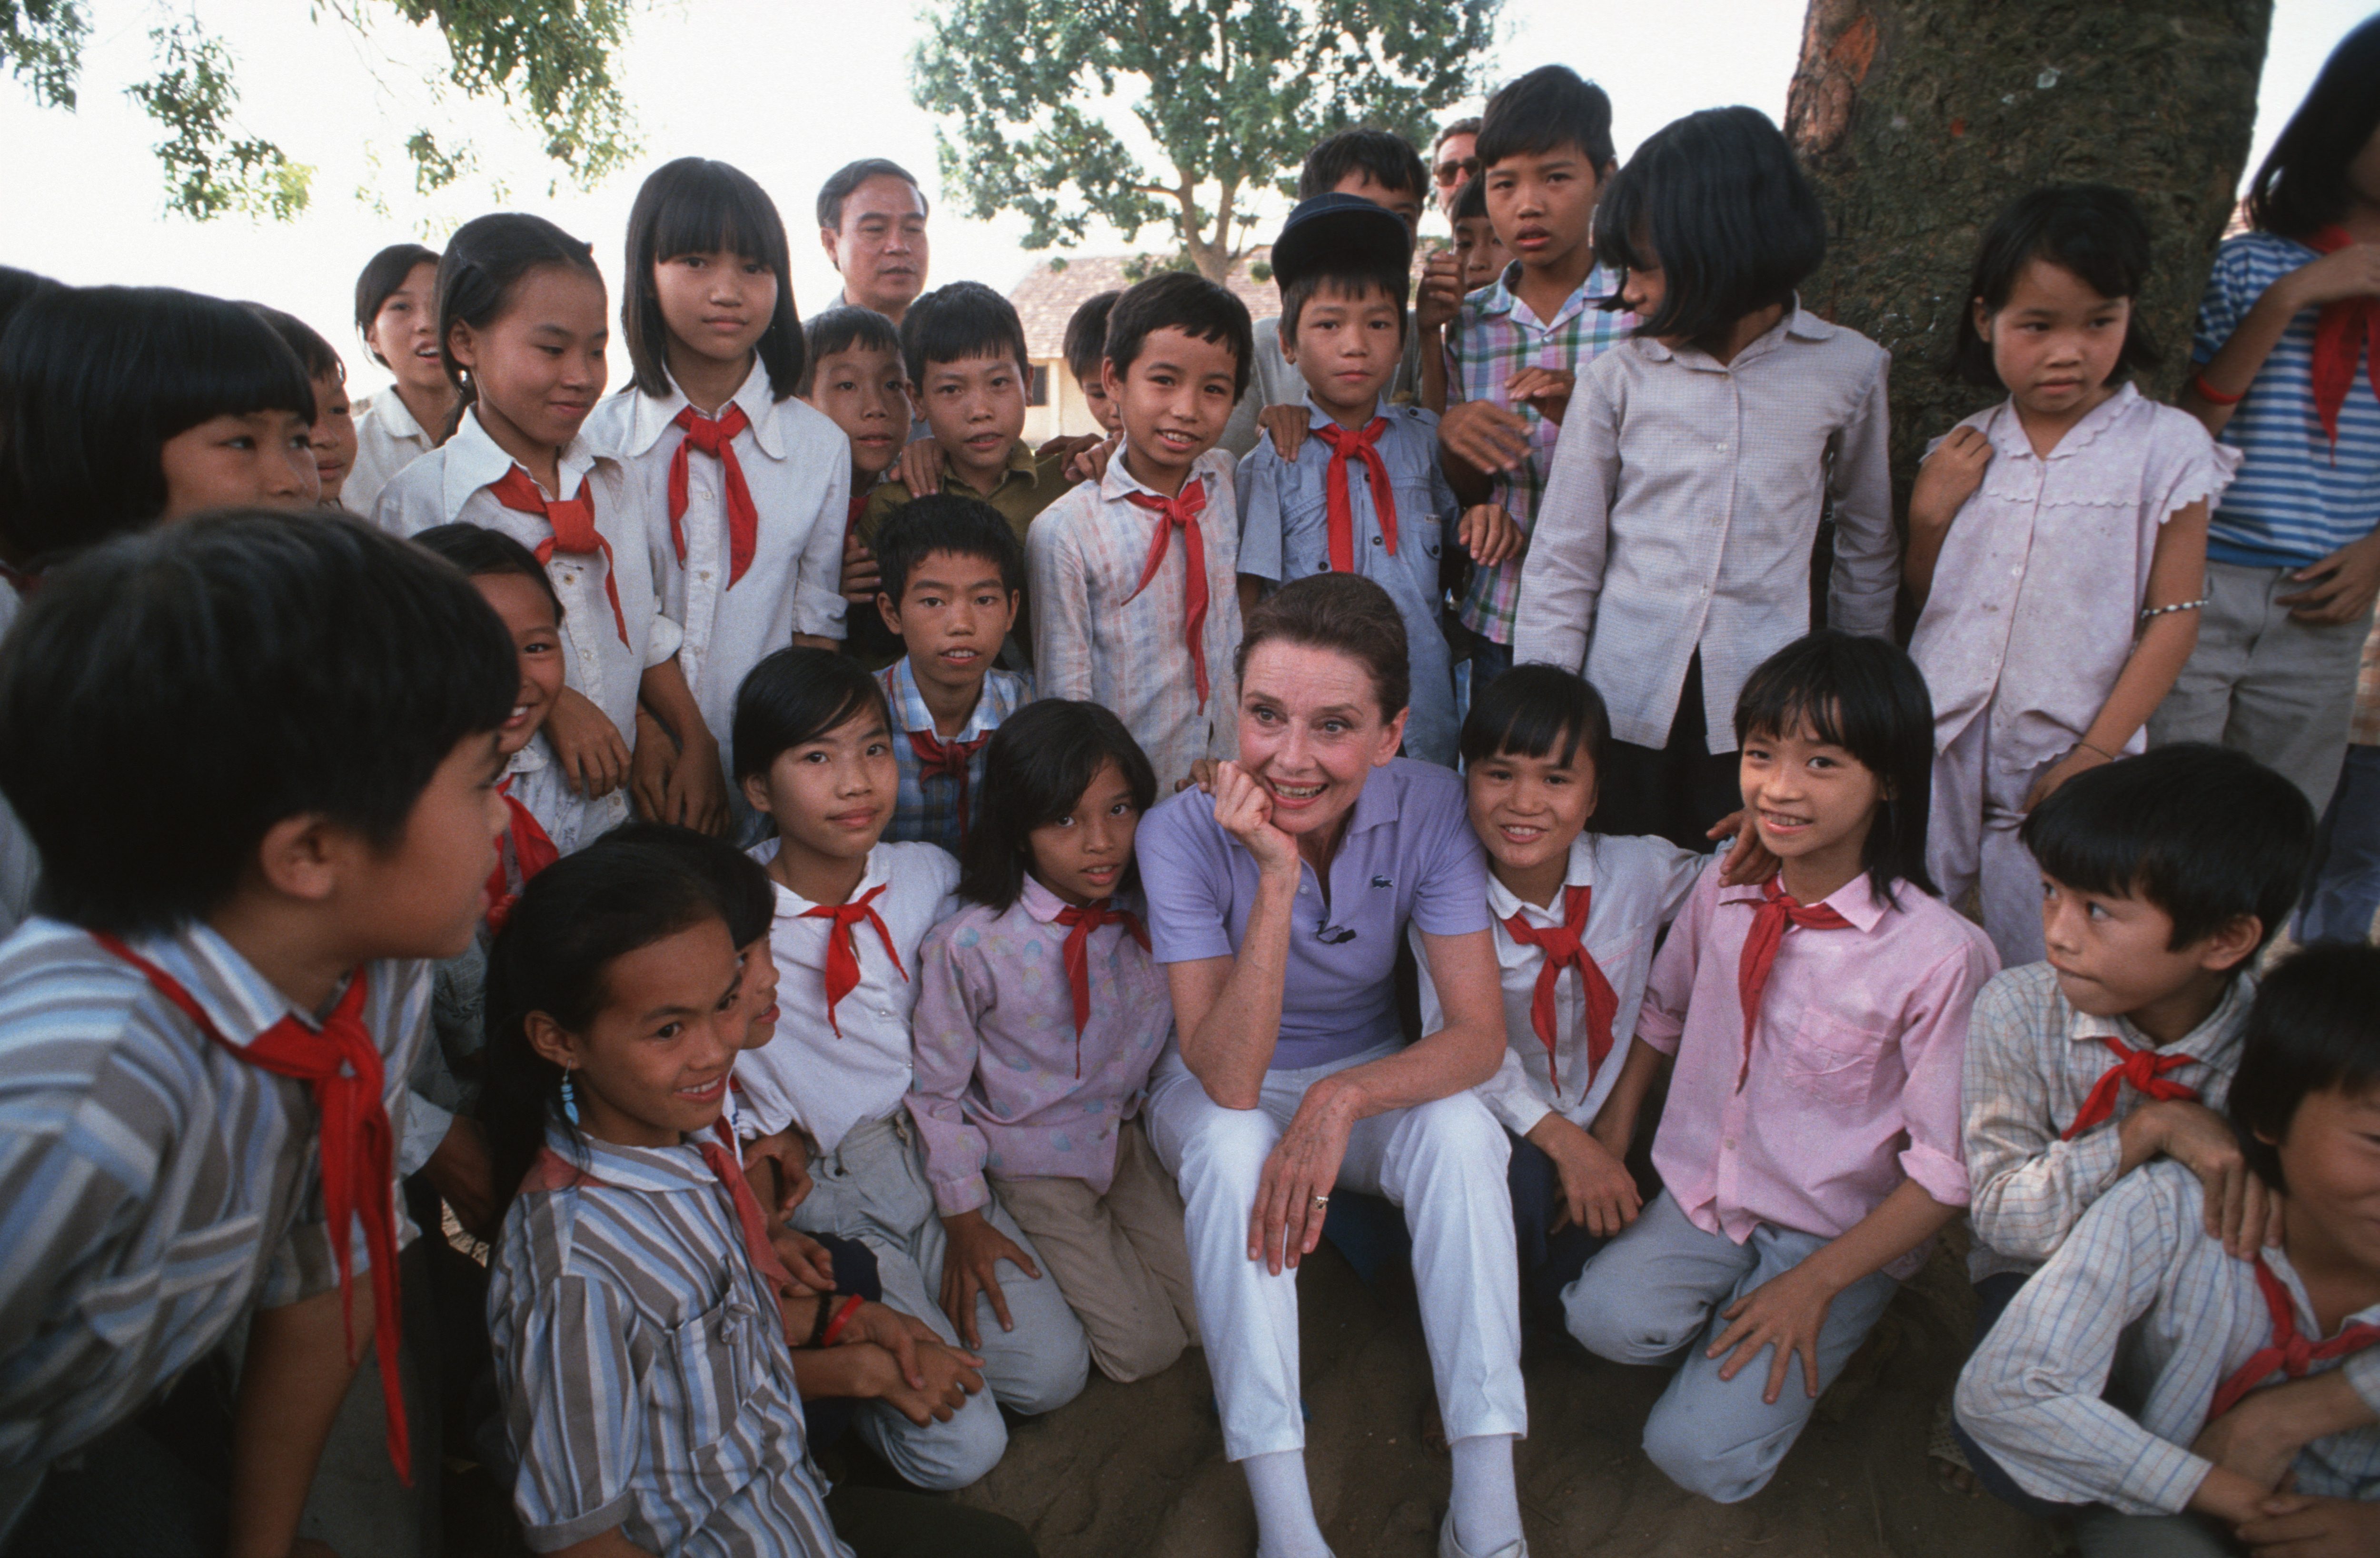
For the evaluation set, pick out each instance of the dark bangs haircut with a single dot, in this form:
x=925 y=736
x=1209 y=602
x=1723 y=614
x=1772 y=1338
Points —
x=2315 y=1028
x=950 y=522
x=1717 y=201
x=2205 y=834
x=1867 y=696
x=572 y=921
x=255 y=665
x=478 y=551
x=94 y=381
x=1041 y=759
x=316 y=355
x=485 y=261
x=796 y=696
x=1087 y=335
x=384 y=274
x=16 y=286
x=842 y=183
x=1186 y=301
x=1345 y=613
x=963 y=321
x=1389 y=158
x=1471 y=203
x=2301 y=187
x=1542 y=111
x=2096 y=231
x=738 y=884
x=1537 y=710
x=841 y=329
x=1348 y=278
x=696 y=206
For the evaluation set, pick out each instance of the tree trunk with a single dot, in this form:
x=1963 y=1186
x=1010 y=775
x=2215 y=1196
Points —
x=1919 y=119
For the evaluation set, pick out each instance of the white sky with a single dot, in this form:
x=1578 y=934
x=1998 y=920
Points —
x=787 y=89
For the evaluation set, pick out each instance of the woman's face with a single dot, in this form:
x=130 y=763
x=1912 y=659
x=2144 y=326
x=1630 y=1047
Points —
x=1311 y=728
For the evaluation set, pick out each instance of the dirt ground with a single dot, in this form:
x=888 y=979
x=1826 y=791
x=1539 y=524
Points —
x=1138 y=1471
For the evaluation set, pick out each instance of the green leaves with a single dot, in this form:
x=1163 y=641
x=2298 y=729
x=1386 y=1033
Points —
x=208 y=170
x=1229 y=94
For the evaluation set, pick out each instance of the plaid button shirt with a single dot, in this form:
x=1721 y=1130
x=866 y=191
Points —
x=923 y=816
x=1494 y=337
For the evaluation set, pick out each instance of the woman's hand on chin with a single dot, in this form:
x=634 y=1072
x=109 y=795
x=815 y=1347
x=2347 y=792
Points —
x=1286 y=1222
x=1244 y=808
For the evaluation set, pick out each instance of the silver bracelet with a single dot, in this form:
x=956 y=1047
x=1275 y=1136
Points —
x=2148 y=612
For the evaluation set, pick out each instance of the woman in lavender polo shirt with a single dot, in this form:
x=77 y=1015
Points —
x=1276 y=906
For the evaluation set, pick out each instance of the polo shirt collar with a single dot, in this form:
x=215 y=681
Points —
x=1855 y=900
x=1317 y=418
x=1119 y=483
x=878 y=873
x=2209 y=1042
x=909 y=711
x=657 y=415
x=1797 y=323
x=654 y=1169
x=474 y=460
x=396 y=415
x=1503 y=902
x=1021 y=463
x=234 y=994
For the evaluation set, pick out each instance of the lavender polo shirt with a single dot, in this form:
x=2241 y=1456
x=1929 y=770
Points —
x=1408 y=856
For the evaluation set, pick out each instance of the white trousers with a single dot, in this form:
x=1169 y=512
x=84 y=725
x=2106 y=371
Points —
x=1443 y=1162
x=1971 y=842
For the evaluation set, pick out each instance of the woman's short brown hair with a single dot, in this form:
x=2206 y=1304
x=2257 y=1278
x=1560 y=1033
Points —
x=1342 y=612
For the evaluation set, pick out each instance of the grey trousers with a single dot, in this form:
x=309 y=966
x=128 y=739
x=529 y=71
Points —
x=2103 y=1533
x=1657 y=1291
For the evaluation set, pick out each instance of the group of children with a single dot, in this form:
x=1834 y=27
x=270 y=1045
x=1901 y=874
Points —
x=812 y=1101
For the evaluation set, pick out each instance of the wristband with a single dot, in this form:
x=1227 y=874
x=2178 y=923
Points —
x=843 y=1312
x=2095 y=752
x=2207 y=392
x=825 y=1316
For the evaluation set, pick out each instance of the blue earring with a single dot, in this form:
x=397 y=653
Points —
x=569 y=1099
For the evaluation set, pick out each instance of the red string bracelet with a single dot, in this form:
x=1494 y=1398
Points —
x=2207 y=392
x=834 y=1327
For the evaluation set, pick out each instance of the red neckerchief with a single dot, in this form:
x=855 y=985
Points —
x=2143 y=1068
x=1777 y=913
x=1080 y=921
x=533 y=850
x=1181 y=513
x=1564 y=947
x=937 y=759
x=2342 y=333
x=341 y=1066
x=1339 y=506
x=574 y=529
x=842 y=945
x=714 y=437
x=2288 y=1353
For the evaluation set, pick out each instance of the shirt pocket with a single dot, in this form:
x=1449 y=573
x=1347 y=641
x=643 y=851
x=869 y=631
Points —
x=124 y=1310
x=1837 y=1061
x=710 y=1358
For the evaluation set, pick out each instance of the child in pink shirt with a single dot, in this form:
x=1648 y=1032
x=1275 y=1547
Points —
x=2056 y=542
x=1810 y=1148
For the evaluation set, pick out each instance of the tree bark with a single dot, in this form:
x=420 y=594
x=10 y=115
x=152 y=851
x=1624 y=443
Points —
x=1919 y=119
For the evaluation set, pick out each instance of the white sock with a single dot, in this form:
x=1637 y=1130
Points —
x=1486 y=1505
x=1285 y=1526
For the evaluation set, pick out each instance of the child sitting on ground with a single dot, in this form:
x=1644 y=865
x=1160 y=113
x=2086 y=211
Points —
x=213 y=986
x=1028 y=1086
x=2180 y=1394
x=952 y=569
x=1139 y=619
x=2162 y=877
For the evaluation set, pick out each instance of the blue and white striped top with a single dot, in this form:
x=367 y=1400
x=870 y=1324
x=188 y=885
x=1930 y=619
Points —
x=2295 y=499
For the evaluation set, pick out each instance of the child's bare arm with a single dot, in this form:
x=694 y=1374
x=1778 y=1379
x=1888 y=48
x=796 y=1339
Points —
x=696 y=791
x=1615 y=1123
x=1946 y=480
x=2298 y=1527
x=291 y=1382
x=2352 y=271
x=920 y=468
x=592 y=753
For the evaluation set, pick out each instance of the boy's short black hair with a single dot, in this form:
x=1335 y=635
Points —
x=844 y=181
x=478 y=551
x=1717 y=200
x=316 y=355
x=1388 y=157
x=1471 y=202
x=1550 y=107
x=960 y=322
x=1087 y=335
x=1186 y=301
x=2315 y=1028
x=1537 y=710
x=1867 y=696
x=796 y=696
x=255 y=665
x=846 y=328
x=2097 y=231
x=740 y=883
x=382 y=275
x=949 y=522
x=2203 y=832
x=94 y=381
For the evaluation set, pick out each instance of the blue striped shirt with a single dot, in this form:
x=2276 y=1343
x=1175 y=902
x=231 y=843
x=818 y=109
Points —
x=153 y=1187
x=2295 y=499
x=920 y=816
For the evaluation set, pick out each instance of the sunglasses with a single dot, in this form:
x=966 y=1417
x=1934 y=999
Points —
x=1455 y=171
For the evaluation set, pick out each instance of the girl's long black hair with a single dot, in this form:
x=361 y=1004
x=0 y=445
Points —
x=1041 y=759
x=2302 y=189
x=698 y=206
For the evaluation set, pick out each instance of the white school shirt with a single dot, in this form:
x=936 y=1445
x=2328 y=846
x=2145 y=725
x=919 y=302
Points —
x=809 y=1074
x=797 y=464
x=450 y=485
x=1639 y=885
x=387 y=440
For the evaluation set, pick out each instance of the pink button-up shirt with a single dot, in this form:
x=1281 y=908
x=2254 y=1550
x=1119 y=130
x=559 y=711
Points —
x=1855 y=1060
